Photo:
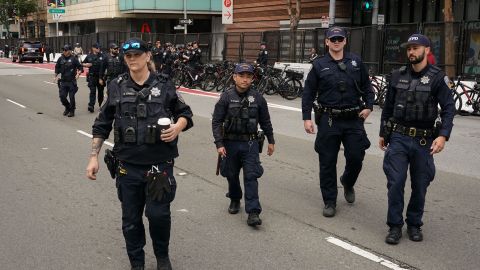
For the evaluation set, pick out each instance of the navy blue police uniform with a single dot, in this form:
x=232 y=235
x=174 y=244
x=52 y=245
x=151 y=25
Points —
x=341 y=89
x=112 y=66
x=93 y=77
x=408 y=121
x=134 y=110
x=67 y=67
x=262 y=58
x=235 y=125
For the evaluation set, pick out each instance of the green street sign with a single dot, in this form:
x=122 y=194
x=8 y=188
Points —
x=56 y=10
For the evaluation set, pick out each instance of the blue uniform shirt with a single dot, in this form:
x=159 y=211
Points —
x=335 y=88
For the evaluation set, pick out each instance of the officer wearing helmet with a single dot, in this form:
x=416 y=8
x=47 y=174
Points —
x=410 y=135
x=67 y=71
x=139 y=108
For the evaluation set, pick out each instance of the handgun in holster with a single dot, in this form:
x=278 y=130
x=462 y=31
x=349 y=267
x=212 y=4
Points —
x=158 y=184
x=317 y=112
x=111 y=161
x=436 y=129
x=388 y=130
x=261 y=140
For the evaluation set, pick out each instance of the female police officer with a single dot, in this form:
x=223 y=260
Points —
x=408 y=136
x=145 y=154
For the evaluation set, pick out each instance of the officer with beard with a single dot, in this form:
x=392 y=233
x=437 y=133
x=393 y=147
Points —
x=235 y=122
x=112 y=65
x=410 y=137
x=67 y=71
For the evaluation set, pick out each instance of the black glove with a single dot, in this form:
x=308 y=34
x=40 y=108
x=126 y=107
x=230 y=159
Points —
x=157 y=185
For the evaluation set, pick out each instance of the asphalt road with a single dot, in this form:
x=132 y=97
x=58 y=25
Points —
x=54 y=218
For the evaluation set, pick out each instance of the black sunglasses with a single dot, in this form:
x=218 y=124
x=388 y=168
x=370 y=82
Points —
x=335 y=39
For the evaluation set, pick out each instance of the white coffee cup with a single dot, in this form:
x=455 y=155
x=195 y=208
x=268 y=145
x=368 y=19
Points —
x=164 y=123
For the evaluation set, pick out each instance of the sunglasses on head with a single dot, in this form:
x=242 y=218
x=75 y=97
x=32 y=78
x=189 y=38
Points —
x=135 y=45
x=335 y=39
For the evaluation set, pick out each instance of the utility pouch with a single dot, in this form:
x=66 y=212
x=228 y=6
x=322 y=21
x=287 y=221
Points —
x=111 y=161
x=158 y=184
x=129 y=135
x=388 y=130
x=317 y=113
x=116 y=135
x=436 y=129
x=142 y=110
x=151 y=135
x=261 y=140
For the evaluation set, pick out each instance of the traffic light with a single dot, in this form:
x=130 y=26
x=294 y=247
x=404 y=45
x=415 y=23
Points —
x=367 y=5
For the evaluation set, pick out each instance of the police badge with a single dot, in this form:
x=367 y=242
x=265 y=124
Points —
x=155 y=92
x=425 y=80
x=251 y=99
x=354 y=63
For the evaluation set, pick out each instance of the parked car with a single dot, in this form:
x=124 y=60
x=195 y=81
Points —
x=28 y=51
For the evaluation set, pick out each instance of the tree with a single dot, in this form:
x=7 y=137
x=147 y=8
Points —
x=449 y=44
x=295 y=15
x=9 y=9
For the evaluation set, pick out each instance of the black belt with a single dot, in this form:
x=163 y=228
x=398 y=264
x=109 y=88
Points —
x=240 y=137
x=412 y=131
x=341 y=113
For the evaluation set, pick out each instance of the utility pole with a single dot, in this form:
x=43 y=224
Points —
x=185 y=16
x=331 y=13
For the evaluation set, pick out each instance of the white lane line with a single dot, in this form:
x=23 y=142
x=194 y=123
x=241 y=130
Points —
x=364 y=253
x=91 y=136
x=50 y=82
x=18 y=104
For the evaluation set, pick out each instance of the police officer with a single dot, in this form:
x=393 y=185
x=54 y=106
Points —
x=157 y=52
x=194 y=60
x=313 y=55
x=234 y=124
x=262 y=58
x=409 y=136
x=96 y=85
x=340 y=85
x=67 y=70
x=112 y=66
x=145 y=150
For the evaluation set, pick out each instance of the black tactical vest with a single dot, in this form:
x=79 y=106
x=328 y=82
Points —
x=414 y=101
x=96 y=60
x=242 y=114
x=137 y=113
x=114 y=67
x=67 y=69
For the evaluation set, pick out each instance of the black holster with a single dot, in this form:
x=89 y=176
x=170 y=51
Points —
x=158 y=184
x=261 y=140
x=112 y=162
x=388 y=130
x=436 y=129
x=317 y=113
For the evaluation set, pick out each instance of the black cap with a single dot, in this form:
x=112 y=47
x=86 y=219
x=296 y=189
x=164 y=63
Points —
x=96 y=45
x=113 y=45
x=135 y=45
x=336 y=32
x=67 y=47
x=417 y=39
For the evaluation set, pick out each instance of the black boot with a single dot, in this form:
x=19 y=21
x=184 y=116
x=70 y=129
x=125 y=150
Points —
x=66 y=111
x=71 y=113
x=164 y=264
x=234 y=207
x=348 y=192
x=254 y=219
x=138 y=267
x=394 y=235
x=90 y=109
x=329 y=210
x=414 y=233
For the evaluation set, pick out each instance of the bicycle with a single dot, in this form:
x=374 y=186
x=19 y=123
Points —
x=469 y=98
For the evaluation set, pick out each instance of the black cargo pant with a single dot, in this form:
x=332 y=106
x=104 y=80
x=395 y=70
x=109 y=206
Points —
x=67 y=89
x=131 y=189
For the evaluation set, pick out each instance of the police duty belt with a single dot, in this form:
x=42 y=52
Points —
x=412 y=131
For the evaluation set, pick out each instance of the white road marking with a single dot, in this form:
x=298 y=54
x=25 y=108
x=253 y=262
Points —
x=283 y=107
x=183 y=210
x=364 y=253
x=18 y=104
x=50 y=82
x=91 y=136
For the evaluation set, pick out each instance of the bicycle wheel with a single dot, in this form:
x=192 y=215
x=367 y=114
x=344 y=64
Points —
x=469 y=100
x=208 y=83
x=178 y=78
x=457 y=99
x=286 y=89
x=271 y=88
x=381 y=98
x=292 y=92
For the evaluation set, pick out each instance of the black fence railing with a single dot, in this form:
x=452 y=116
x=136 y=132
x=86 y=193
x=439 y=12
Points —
x=379 y=47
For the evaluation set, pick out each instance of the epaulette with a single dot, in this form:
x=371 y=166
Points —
x=403 y=69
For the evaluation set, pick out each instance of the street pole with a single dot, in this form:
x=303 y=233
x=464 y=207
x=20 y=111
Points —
x=331 y=13
x=185 y=16
x=375 y=13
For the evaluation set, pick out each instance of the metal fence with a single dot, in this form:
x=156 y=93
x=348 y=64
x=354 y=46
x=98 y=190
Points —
x=379 y=47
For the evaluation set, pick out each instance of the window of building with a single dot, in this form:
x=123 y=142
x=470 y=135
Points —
x=405 y=11
x=432 y=10
x=418 y=10
x=473 y=7
x=393 y=11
